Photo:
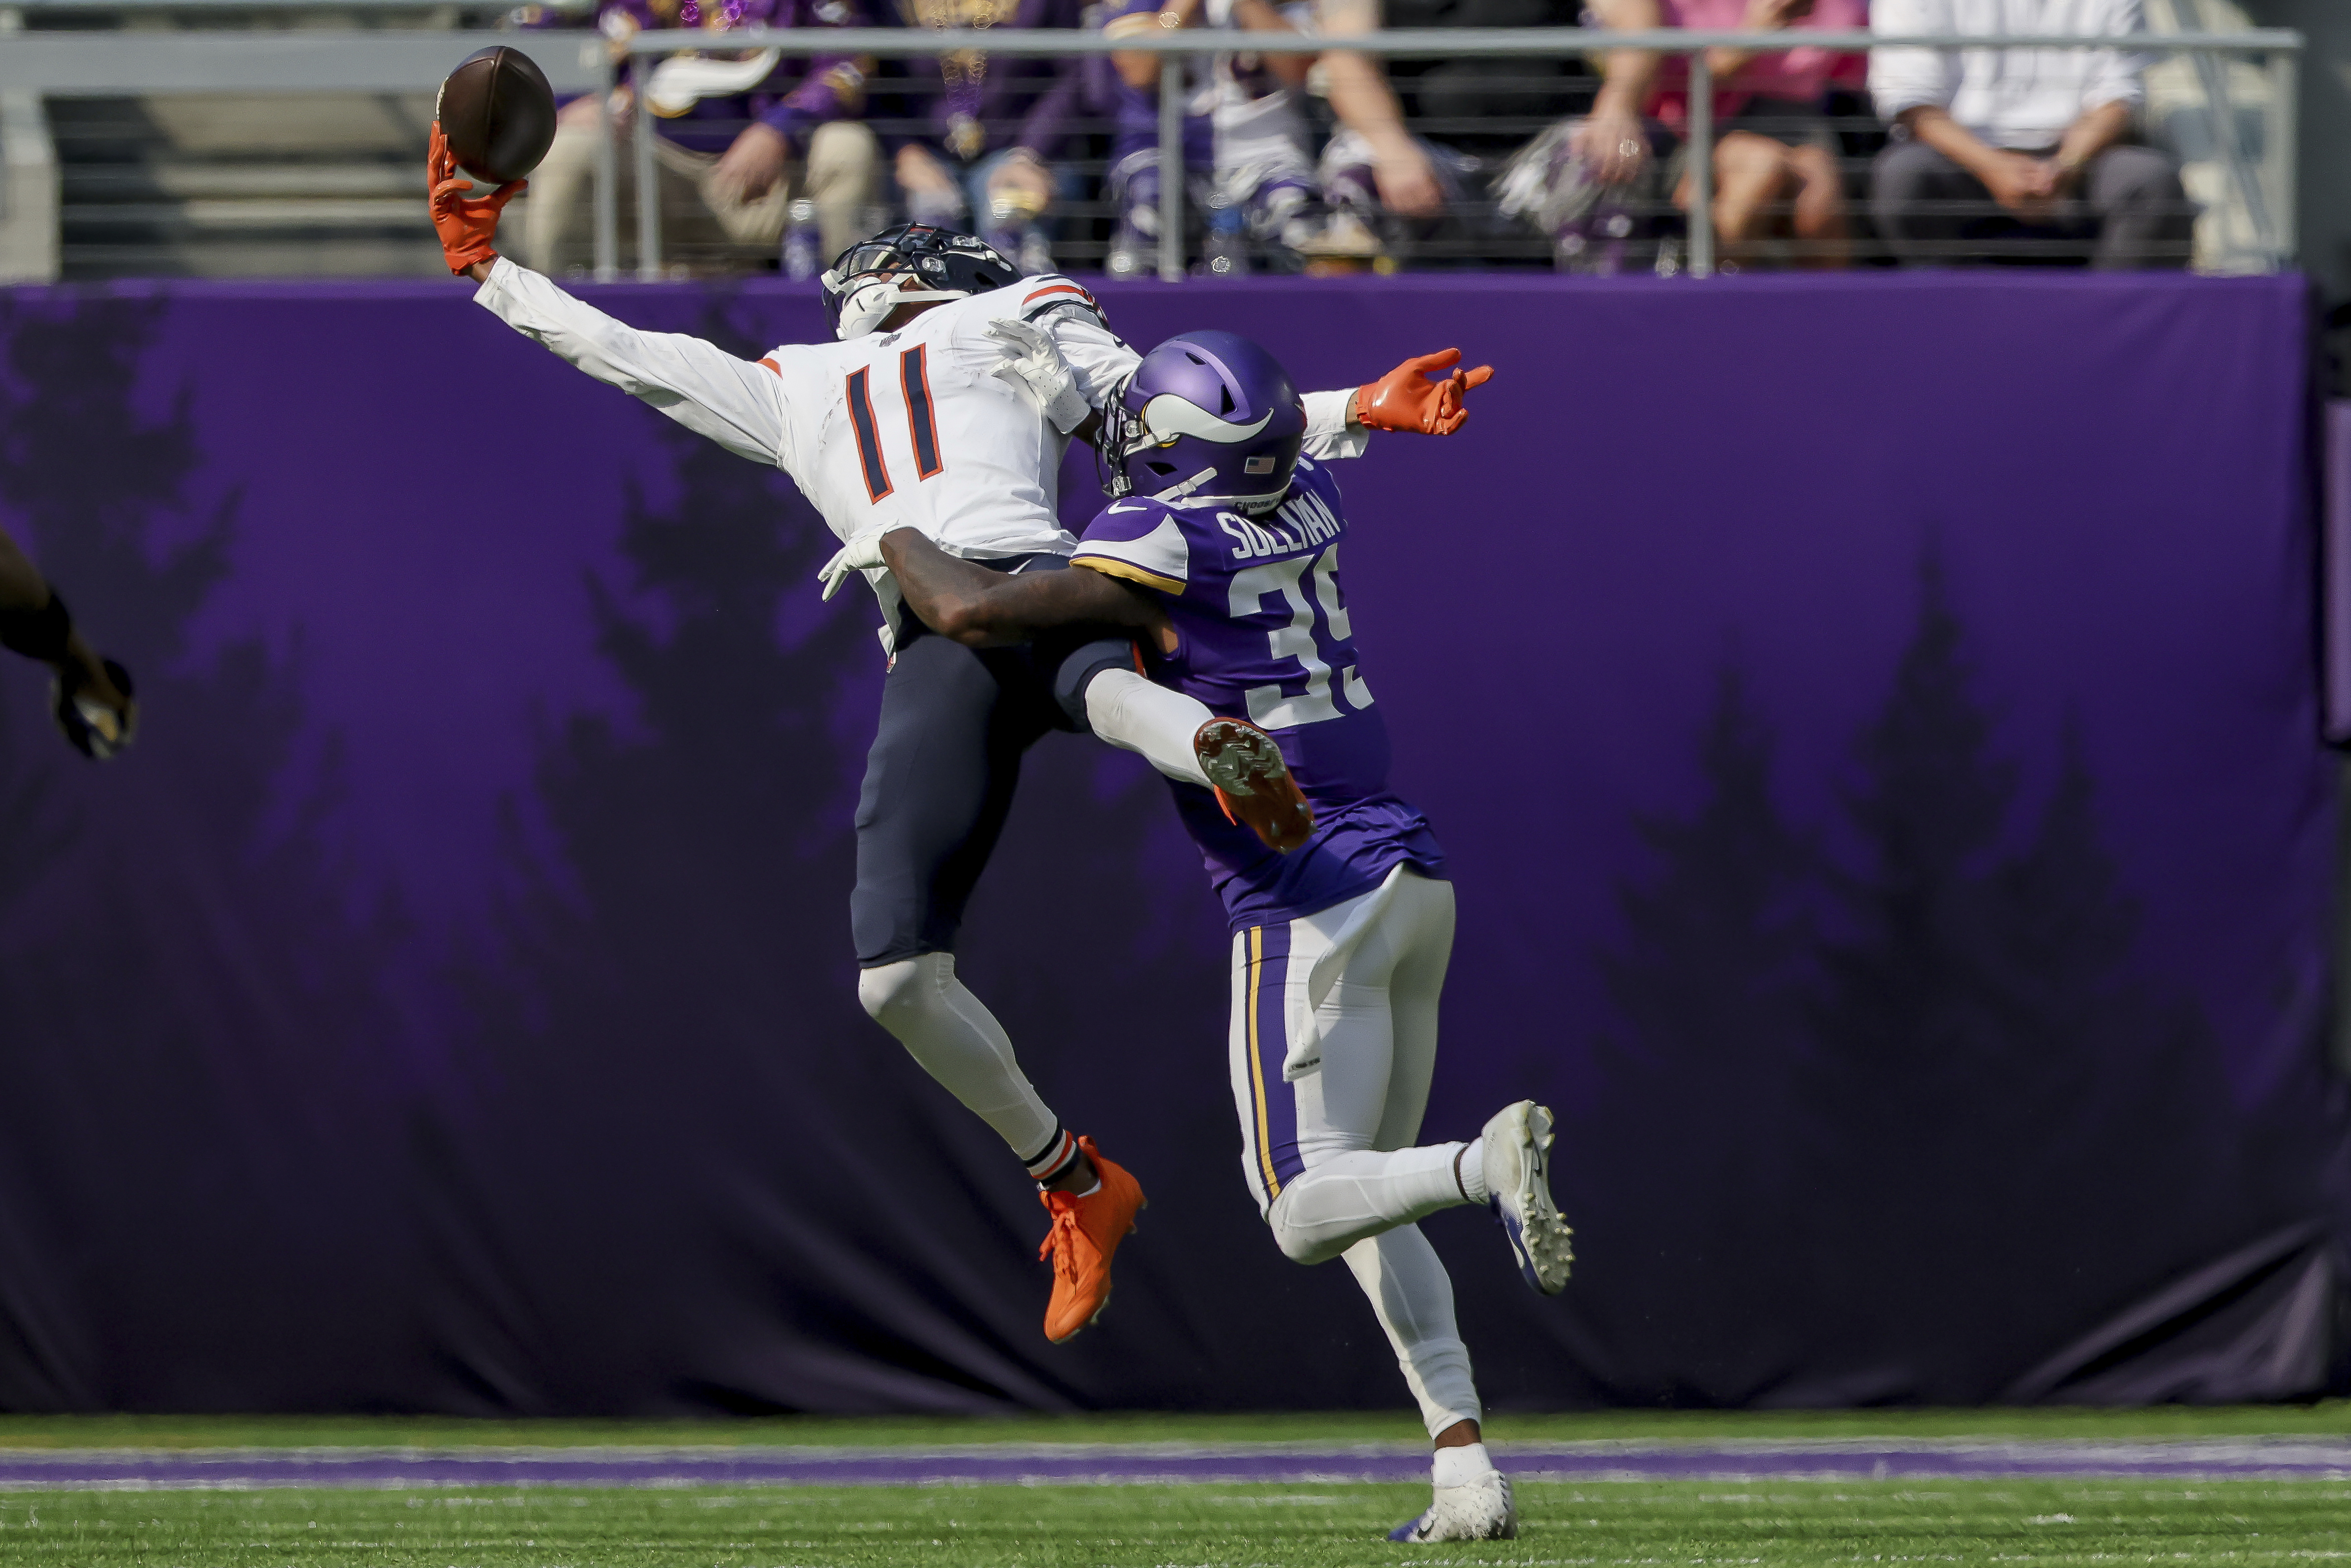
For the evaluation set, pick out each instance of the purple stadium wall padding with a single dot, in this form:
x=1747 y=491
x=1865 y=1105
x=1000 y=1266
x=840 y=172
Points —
x=2336 y=565
x=1875 y=723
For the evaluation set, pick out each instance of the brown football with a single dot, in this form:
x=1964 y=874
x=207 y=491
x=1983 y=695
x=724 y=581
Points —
x=498 y=113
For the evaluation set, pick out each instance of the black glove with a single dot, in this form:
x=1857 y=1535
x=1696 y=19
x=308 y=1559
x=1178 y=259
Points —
x=94 y=728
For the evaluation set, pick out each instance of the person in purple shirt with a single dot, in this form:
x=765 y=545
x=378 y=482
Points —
x=1247 y=159
x=990 y=127
x=1340 y=945
x=740 y=138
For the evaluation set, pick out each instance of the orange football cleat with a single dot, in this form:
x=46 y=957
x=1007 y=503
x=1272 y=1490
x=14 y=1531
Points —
x=1253 y=783
x=1086 y=1233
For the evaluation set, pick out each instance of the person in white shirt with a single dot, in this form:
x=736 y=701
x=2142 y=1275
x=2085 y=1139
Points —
x=1247 y=153
x=2021 y=153
x=926 y=415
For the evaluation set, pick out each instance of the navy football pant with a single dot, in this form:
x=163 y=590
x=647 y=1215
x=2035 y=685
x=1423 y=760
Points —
x=939 y=781
x=938 y=784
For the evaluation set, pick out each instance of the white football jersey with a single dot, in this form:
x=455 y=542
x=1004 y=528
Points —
x=906 y=429
x=914 y=429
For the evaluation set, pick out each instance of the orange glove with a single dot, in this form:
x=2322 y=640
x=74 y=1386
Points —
x=1405 y=398
x=466 y=226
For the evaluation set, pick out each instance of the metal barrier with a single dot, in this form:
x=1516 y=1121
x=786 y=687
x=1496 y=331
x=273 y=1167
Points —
x=408 y=59
x=90 y=63
x=2280 y=49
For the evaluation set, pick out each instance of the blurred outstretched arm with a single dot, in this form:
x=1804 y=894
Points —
x=94 y=701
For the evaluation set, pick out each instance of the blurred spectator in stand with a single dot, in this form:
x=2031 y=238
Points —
x=1384 y=167
x=1248 y=175
x=1590 y=183
x=993 y=126
x=2021 y=153
x=1775 y=155
x=1477 y=114
x=738 y=137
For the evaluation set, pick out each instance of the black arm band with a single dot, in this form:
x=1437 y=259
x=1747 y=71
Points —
x=37 y=633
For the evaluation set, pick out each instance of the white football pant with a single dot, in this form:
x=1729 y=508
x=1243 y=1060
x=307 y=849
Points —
x=959 y=1041
x=1346 y=999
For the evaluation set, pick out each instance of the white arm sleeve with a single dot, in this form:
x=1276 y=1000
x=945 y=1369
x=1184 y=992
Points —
x=1327 y=433
x=736 y=403
x=1912 y=78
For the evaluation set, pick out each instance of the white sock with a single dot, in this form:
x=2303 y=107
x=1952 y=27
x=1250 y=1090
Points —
x=1130 y=711
x=1459 y=1467
x=1473 y=1171
x=959 y=1041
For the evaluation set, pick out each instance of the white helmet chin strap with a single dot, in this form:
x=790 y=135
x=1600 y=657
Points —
x=869 y=304
x=1249 y=504
x=1177 y=492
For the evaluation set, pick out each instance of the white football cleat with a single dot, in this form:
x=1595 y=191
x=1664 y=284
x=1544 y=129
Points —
x=1480 y=1511
x=1518 y=1188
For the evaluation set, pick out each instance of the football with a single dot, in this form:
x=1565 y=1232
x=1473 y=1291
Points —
x=498 y=113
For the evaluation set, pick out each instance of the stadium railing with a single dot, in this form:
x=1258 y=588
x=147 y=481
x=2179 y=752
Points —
x=2254 y=161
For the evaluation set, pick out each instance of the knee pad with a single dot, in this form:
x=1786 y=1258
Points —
x=1298 y=1245
x=894 y=994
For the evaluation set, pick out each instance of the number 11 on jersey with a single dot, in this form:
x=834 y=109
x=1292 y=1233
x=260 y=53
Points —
x=913 y=377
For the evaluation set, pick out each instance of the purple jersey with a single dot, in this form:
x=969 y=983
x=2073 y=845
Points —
x=1263 y=634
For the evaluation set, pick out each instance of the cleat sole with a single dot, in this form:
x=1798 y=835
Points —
x=1253 y=783
x=1541 y=1239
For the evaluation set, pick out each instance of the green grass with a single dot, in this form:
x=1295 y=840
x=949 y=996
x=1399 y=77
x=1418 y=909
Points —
x=1201 y=1526
x=2331 y=1419
x=2237 y=1523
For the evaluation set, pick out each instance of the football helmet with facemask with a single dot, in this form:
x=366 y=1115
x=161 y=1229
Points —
x=1205 y=416
x=868 y=281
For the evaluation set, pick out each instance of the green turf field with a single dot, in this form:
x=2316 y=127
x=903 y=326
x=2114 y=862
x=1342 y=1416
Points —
x=1209 y=1525
x=2236 y=1522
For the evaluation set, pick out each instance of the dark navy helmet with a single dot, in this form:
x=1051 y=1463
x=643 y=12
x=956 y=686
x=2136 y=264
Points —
x=1207 y=416
x=867 y=281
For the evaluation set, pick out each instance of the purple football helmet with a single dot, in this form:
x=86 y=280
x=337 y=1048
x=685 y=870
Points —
x=1207 y=416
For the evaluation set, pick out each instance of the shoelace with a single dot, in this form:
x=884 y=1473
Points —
x=1061 y=1243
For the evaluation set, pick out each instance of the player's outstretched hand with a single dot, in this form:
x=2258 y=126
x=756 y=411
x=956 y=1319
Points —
x=468 y=226
x=94 y=706
x=1407 y=400
x=1032 y=359
x=856 y=556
